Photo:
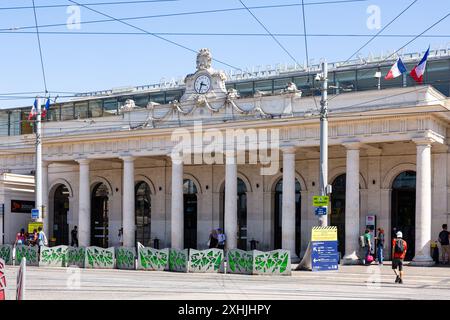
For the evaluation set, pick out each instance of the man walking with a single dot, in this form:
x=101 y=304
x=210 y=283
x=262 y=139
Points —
x=399 y=248
x=74 y=236
x=444 y=236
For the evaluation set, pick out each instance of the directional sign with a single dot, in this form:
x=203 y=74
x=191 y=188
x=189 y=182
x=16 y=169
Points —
x=321 y=211
x=320 y=201
x=324 y=256
x=35 y=214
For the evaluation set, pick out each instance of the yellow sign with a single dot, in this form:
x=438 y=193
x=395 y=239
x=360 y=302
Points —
x=34 y=225
x=320 y=201
x=324 y=234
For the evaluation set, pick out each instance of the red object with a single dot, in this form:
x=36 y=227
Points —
x=405 y=248
x=2 y=281
x=369 y=258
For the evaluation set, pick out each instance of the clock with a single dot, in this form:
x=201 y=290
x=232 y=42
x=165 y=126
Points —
x=202 y=84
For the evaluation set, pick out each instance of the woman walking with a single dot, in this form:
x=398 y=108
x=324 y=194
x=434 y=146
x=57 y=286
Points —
x=380 y=246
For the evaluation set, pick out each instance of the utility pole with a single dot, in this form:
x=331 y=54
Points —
x=323 y=222
x=38 y=176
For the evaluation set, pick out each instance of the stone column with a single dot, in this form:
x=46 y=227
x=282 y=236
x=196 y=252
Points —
x=128 y=222
x=177 y=219
x=45 y=208
x=288 y=203
x=423 y=203
x=352 y=229
x=230 y=214
x=84 y=204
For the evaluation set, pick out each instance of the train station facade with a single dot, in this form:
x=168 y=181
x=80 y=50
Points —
x=113 y=161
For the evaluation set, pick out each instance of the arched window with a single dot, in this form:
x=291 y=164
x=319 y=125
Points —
x=242 y=215
x=337 y=214
x=99 y=216
x=60 y=210
x=143 y=211
x=190 y=214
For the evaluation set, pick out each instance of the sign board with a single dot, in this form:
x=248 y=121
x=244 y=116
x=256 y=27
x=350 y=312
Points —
x=35 y=214
x=34 y=225
x=320 y=201
x=20 y=206
x=324 y=253
x=321 y=211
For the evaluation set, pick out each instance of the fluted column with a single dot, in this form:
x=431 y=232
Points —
x=352 y=231
x=423 y=203
x=177 y=219
x=84 y=205
x=288 y=202
x=230 y=214
x=128 y=206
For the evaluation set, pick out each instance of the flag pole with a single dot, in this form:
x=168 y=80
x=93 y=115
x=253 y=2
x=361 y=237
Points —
x=38 y=176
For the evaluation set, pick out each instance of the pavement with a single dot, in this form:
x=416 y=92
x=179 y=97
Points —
x=349 y=282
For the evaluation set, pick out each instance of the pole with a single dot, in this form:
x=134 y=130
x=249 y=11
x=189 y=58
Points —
x=323 y=222
x=38 y=180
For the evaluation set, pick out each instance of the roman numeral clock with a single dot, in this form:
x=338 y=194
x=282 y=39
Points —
x=205 y=83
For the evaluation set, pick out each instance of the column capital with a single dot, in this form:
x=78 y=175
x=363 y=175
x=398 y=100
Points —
x=45 y=163
x=83 y=161
x=288 y=150
x=352 y=145
x=423 y=141
x=127 y=158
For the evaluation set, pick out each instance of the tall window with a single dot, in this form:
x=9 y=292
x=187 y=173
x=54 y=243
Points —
x=143 y=213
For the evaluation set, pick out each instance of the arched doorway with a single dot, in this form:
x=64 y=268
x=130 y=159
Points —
x=278 y=198
x=190 y=214
x=99 y=216
x=403 y=209
x=143 y=207
x=241 y=213
x=60 y=210
x=337 y=214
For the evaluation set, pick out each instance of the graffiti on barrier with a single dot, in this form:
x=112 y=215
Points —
x=75 y=256
x=99 y=258
x=28 y=252
x=240 y=261
x=53 y=257
x=2 y=280
x=6 y=253
x=210 y=260
x=276 y=262
x=125 y=258
x=152 y=259
x=178 y=260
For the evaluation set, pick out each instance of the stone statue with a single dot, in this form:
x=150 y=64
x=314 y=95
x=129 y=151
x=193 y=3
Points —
x=204 y=59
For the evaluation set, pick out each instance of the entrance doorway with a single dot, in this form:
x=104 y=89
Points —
x=337 y=214
x=403 y=209
x=278 y=198
x=60 y=210
x=190 y=214
x=143 y=210
x=99 y=216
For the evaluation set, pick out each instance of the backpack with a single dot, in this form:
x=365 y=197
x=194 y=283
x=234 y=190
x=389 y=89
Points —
x=221 y=238
x=443 y=237
x=362 y=242
x=399 y=246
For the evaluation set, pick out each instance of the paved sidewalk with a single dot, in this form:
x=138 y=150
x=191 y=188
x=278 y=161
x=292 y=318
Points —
x=349 y=282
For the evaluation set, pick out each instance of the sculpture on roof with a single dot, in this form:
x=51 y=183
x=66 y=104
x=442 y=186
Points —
x=204 y=59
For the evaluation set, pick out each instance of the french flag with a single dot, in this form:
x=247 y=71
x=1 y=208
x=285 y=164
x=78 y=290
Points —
x=397 y=70
x=419 y=70
x=33 y=111
x=47 y=106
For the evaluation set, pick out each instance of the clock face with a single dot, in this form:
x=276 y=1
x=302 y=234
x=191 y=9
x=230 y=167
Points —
x=202 y=84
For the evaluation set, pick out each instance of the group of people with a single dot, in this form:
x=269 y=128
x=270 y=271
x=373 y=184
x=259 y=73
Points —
x=217 y=239
x=37 y=238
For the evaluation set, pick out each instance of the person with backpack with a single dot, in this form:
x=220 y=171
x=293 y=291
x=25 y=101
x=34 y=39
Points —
x=221 y=238
x=399 y=248
x=368 y=245
x=444 y=237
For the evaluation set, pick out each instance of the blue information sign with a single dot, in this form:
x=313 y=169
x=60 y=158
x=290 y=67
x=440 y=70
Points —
x=320 y=211
x=34 y=213
x=324 y=255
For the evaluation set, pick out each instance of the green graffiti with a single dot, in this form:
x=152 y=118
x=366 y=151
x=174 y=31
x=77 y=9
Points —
x=240 y=261
x=210 y=260
x=125 y=258
x=53 y=257
x=152 y=259
x=28 y=252
x=6 y=253
x=272 y=262
x=178 y=260
x=99 y=258
x=75 y=256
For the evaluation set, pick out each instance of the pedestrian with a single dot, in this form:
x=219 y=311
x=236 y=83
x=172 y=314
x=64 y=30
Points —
x=20 y=237
x=380 y=246
x=213 y=242
x=443 y=239
x=121 y=236
x=74 y=236
x=42 y=239
x=368 y=245
x=221 y=238
x=399 y=248
x=34 y=238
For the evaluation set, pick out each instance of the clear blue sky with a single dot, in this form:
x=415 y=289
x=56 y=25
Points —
x=94 y=62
